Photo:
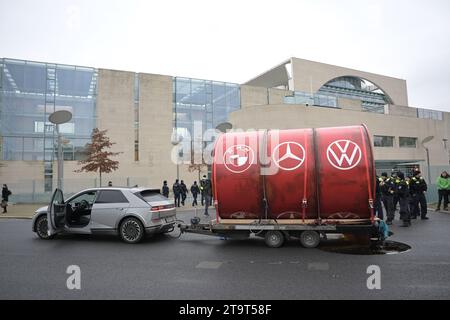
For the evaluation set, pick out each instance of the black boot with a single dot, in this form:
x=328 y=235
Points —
x=405 y=224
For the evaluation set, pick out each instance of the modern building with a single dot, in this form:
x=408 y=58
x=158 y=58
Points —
x=142 y=112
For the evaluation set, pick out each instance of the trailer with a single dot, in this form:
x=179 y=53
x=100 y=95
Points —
x=300 y=183
x=276 y=233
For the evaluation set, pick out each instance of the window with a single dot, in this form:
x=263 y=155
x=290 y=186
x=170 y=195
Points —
x=429 y=114
x=383 y=141
x=406 y=142
x=111 y=196
x=88 y=196
x=150 y=195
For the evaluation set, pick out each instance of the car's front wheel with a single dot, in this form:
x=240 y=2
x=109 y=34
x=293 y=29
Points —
x=42 y=228
x=131 y=230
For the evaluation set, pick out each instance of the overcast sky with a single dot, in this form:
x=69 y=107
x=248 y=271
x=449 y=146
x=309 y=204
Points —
x=235 y=40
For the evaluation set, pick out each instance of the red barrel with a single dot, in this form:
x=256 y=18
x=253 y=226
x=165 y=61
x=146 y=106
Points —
x=324 y=173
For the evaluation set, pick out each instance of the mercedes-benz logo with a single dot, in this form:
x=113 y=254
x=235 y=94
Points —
x=289 y=156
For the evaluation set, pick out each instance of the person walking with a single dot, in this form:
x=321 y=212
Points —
x=410 y=197
x=195 y=190
x=378 y=207
x=402 y=191
x=418 y=188
x=443 y=184
x=395 y=180
x=110 y=184
x=5 y=198
x=207 y=189
x=165 y=189
x=176 y=188
x=184 y=192
x=202 y=193
x=387 y=191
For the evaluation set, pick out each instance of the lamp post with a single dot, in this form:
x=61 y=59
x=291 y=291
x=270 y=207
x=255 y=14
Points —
x=224 y=127
x=58 y=118
x=424 y=141
x=176 y=140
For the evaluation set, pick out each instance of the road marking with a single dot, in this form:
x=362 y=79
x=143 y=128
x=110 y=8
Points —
x=318 y=266
x=209 y=265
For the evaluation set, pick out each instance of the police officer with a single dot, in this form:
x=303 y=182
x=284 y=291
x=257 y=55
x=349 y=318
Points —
x=202 y=193
x=165 y=189
x=402 y=191
x=378 y=207
x=184 y=192
x=410 y=197
x=387 y=191
x=176 y=188
x=207 y=189
x=396 y=181
x=195 y=190
x=418 y=187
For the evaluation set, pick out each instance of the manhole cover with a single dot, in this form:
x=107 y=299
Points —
x=389 y=247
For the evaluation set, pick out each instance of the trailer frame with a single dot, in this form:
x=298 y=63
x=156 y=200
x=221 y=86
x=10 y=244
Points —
x=235 y=229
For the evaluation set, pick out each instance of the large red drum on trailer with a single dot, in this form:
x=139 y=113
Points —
x=320 y=174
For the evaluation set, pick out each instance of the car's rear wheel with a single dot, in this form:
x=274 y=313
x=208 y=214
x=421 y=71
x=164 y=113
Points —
x=42 y=228
x=131 y=230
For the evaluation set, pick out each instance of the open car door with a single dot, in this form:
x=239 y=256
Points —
x=56 y=213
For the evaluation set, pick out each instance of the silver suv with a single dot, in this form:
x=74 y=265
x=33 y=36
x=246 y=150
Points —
x=128 y=212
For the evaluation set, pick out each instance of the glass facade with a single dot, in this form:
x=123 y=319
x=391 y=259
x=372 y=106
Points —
x=372 y=98
x=318 y=100
x=29 y=93
x=202 y=101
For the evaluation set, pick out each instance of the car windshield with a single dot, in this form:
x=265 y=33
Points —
x=150 y=195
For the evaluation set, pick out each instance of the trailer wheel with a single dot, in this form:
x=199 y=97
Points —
x=274 y=239
x=310 y=239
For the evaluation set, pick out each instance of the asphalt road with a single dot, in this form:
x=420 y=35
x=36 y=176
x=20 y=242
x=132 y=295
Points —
x=202 y=267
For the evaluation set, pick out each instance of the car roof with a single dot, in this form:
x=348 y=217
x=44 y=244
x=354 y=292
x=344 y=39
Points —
x=132 y=189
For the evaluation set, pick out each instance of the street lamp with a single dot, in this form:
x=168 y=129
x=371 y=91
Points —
x=224 y=127
x=176 y=140
x=57 y=118
x=426 y=140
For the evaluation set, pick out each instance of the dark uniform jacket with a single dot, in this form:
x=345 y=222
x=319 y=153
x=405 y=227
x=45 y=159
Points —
x=183 y=188
x=387 y=186
x=418 y=185
x=195 y=189
x=378 y=187
x=402 y=188
x=5 y=194
x=165 y=191
x=176 y=188
x=207 y=187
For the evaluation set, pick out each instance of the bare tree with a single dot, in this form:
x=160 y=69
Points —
x=197 y=167
x=98 y=158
